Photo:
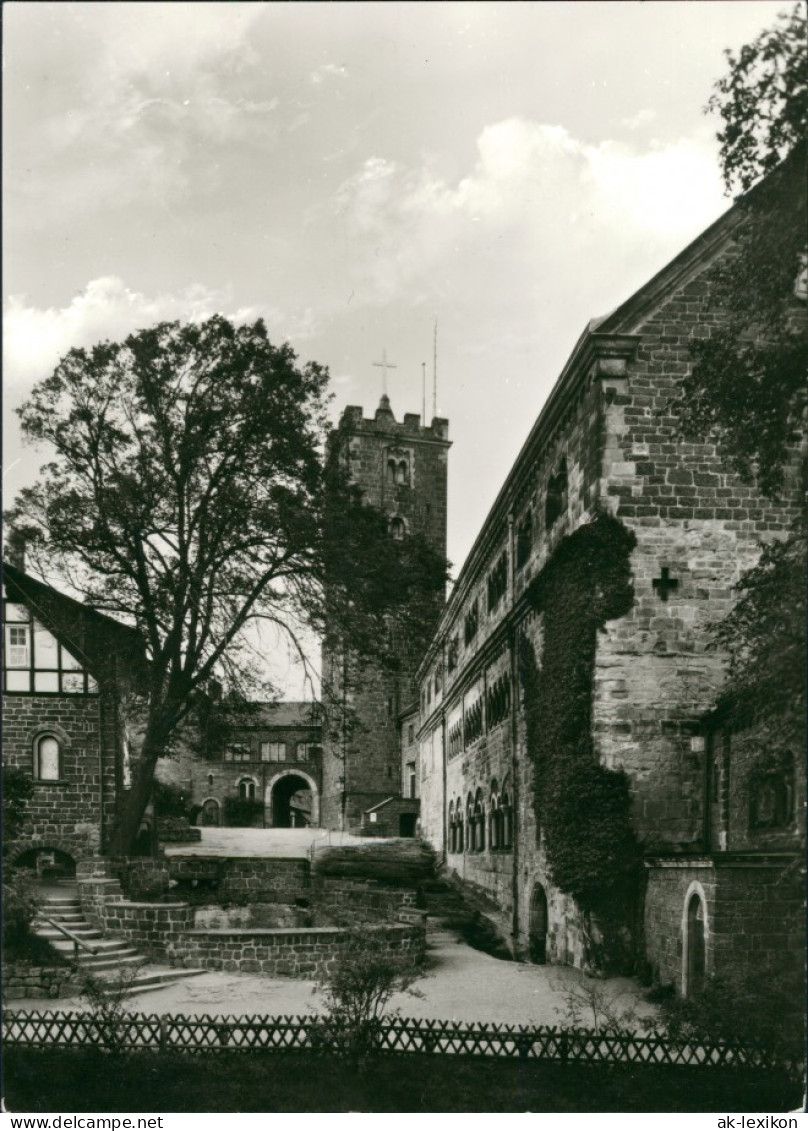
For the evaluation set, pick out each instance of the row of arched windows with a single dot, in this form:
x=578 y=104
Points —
x=470 y=826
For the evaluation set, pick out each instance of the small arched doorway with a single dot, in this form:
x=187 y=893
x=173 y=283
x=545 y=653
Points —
x=538 y=926
x=695 y=945
x=210 y=817
x=293 y=802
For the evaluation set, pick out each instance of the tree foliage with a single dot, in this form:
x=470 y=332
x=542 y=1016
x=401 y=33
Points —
x=746 y=388
x=189 y=494
x=763 y=101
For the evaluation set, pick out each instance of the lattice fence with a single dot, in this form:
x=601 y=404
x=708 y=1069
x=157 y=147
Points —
x=397 y=1035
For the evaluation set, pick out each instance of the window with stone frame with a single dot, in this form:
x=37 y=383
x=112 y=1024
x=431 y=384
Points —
x=473 y=722
x=307 y=751
x=273 y=751
x=498 y=701
x=47 y=758
x=398 y=528
x=497 y=585
x=771 y=792
x=238 y=752
x=453 y=653
x=471 y=623
x=556 y=499
x=455 y=738
x=524 y=539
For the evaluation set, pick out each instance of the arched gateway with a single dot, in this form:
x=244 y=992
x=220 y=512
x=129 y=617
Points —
x=292 y=801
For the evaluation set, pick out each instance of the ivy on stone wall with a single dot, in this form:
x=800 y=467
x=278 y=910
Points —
x=582 y=807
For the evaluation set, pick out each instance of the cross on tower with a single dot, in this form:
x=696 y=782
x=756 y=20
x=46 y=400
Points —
x=664 y=584
x=384 y=365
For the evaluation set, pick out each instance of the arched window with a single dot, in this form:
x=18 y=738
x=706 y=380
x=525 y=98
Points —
x=391 y=470
x=471 y=824
x=47 y=758
x=403 y=472
x=494 y=837
x=507 y=821
x=459 y=826
x=210 y=779
x=452 y=834
x=397 y=528
x=479 y=819
x=246 y=789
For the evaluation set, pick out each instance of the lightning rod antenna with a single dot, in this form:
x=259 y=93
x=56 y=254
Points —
x=423 y=393
x=435 y=371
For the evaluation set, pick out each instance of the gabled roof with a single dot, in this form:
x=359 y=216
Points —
x=92 y=637
x=288 y=713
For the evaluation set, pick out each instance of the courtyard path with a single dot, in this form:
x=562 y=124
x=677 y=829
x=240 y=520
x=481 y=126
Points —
x=460 y=983
x=293 y=843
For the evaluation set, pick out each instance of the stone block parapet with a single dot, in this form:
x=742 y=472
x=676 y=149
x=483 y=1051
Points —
x=21 y=981
x=291 y=953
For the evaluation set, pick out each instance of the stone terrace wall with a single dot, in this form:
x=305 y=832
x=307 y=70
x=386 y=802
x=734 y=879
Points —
x=22 y=981
x=224 y=881
x=287 y=953
x=338 y=899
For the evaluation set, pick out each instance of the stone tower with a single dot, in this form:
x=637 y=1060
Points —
x=401 y=469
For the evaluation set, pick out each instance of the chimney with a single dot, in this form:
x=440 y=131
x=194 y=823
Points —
x=16 y=545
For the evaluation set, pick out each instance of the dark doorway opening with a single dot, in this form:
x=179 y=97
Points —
x=538 y=926
x=48 y=864
x=291 y=803
x=696 y=949
x=406 y=824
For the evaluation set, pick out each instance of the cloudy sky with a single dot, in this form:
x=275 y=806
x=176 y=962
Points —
x=352 y=172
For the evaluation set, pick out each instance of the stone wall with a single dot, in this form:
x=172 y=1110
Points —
x=754 y=914
x=176 y=830
x=287 y=953
x=21 y=981
x=199 y=879
x=342 y=900
x=668 y=883
x=385 y=820
x=66 y=814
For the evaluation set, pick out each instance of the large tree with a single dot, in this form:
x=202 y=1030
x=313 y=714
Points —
x=746 y=388
x=190 y=494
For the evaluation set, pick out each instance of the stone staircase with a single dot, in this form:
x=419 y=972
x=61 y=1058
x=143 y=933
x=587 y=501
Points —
x=453 y=908
x=109 y=959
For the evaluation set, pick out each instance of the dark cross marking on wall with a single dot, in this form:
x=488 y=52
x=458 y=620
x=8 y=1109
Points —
x=384 y=365
x=664 y=584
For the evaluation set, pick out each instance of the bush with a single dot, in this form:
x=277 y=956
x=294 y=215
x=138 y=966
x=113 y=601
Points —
x=357 y=994
x=17 y=788
x=169 y=800
x=764 y=1007
x=241 y=812
x=20 y=905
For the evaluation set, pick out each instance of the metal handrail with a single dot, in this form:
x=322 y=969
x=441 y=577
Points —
x=77 y=942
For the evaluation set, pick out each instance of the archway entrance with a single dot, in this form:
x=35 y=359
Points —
x=538 y=926
x=47 y=864
x=293 y=802
x=696 y=959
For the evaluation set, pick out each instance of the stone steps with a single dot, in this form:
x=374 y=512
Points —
x=111 y=958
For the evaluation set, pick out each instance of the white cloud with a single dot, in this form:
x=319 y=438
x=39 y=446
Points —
x=34 y=339
x=537 y=200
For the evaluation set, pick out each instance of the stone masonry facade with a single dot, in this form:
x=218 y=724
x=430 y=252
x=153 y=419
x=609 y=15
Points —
x=401 y=468
x=607 y=443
